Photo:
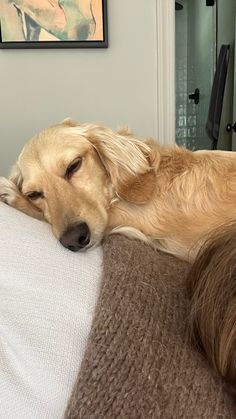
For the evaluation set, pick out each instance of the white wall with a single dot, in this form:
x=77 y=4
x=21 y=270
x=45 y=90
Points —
x=114 y=86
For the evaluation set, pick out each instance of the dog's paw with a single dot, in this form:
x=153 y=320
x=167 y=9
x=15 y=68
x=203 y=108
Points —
x=8 y=191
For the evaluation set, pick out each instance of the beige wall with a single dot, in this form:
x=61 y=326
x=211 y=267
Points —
x=114 y=86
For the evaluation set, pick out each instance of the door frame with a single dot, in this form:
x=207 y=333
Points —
x=165 y=61
x=234 y=105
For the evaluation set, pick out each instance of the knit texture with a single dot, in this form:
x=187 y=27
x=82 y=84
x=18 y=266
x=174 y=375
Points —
x=139 y=362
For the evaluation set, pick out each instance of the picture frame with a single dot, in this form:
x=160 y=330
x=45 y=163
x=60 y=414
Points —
x=57 y=24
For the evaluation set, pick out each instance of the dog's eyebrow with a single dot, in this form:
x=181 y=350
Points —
x=25 y=189
x=67 y=155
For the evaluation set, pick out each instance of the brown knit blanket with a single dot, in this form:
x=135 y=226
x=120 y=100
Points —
x=139 y=362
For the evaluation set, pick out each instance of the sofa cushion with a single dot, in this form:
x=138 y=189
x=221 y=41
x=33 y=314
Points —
x=139 y=362
x=47 y=300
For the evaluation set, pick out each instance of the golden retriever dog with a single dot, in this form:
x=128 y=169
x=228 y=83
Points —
x=88 y=181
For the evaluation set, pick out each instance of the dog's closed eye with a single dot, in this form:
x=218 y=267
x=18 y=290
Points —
x=73 y=167
x=34 y=195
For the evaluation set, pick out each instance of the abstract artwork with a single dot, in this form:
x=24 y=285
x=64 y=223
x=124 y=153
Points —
x=53 y=23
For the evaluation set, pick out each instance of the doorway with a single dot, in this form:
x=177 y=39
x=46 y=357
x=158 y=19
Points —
x=202 y=26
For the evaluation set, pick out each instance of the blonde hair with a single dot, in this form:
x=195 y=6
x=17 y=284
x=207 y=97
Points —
x=212 y=291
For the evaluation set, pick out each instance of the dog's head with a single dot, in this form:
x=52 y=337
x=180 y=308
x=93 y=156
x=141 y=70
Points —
x=71 y=173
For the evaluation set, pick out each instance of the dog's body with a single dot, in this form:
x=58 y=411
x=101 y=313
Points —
x=73 y=174
x=88 y=181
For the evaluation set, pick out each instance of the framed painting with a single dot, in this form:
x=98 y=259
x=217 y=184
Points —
x=53 y=24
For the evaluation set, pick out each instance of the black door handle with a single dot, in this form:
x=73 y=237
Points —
x=195 y=96
x=230 y=127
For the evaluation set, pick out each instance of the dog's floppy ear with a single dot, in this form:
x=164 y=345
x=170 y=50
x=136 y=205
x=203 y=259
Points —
x=130 y=162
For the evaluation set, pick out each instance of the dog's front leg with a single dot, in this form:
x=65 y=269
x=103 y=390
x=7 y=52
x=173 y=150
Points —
x=10 y=194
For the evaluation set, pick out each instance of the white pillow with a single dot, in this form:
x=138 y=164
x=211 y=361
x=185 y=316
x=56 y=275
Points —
x=47 y=300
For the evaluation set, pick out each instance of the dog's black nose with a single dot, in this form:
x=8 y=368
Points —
x=76 y=237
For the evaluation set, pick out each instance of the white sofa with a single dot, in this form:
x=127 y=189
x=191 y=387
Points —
x=47 y=300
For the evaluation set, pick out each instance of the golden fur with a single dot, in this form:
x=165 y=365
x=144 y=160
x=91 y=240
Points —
x=171 y=197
